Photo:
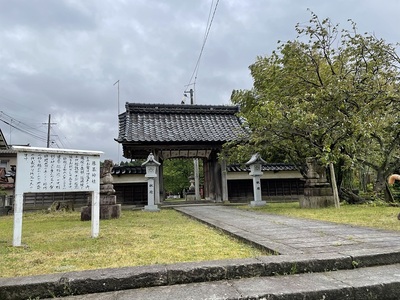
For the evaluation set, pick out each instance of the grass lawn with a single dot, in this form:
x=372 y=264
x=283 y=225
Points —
x=383 y=217
x=60 y=242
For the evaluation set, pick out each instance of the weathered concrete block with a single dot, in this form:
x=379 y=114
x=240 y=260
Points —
x=107 y=189
x=80 y=283
x=190 y=197
x=110 y=211
x=318 y=191
x=104 y=200
x=108 y=199
x=374 y=257
x=86 y=213
x=106 y=212
x=305 y=263
x=214 y=270
x=317 y=197
x=194 y=272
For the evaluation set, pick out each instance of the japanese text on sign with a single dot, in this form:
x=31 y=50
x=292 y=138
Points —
x=50 y=172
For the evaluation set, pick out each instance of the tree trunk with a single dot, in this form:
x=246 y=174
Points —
x=339 y=172
x=350 y=197
x=380 y=186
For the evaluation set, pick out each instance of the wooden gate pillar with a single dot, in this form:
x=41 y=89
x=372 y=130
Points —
x=216 y=177
x=224 y=182
x=206 y=170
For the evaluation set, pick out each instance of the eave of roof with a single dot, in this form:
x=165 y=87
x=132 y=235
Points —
x=269 y=167
x=180 y=109
x=125 y=170
x=8 y=151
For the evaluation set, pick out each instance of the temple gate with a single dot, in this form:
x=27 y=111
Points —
x=181 y=131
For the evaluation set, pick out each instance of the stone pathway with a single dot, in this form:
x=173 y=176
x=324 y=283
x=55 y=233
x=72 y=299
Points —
x=287 y=235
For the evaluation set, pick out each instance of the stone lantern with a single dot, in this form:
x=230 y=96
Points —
x=255 y=163
x=191 y=193
x=151 y=172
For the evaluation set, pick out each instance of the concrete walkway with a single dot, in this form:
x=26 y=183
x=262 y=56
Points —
x=285 y=235
x=318 y=260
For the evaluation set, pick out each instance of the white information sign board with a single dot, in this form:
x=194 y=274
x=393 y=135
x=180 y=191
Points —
x=48 y=170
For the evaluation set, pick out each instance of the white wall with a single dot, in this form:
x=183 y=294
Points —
x=129 y=178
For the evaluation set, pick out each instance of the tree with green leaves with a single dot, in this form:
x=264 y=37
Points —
x=331 y=94
x=177 y=173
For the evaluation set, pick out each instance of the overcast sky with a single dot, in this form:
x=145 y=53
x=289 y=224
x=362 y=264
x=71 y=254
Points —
x=62 y=57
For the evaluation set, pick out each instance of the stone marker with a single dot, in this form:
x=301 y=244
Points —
x=317 y=190
x=109 y=209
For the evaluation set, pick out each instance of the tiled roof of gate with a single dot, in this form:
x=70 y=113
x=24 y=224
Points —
x=179 y=123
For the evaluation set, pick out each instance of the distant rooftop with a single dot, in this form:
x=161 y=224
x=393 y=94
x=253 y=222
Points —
x=3 y=142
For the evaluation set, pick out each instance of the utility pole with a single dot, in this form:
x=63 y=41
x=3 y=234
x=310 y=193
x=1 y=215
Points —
x=118 y=93
x=191 y=92
x=195 y=160
x=48 y=130
x=117 y=82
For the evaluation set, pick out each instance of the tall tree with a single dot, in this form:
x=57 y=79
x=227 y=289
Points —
x=330 y=93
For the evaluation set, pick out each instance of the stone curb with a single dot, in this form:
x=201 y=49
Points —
x=380 y=282
x=106 y=280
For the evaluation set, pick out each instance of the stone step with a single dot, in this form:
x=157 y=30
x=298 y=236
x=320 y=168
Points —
x=129 y=278
x=381 y=282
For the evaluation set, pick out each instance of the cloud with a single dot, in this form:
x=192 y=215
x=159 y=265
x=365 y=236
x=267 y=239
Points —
x=44 y=15
x=63 y=57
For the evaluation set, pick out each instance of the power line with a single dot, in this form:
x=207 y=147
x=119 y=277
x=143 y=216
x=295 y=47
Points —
x=58 y=135
x=24 y=131
x=30 y=130
x=55 y=142
x=207 y=31
x=208 y=27
x=11 y=119
x=61 y=136
x=21 y=126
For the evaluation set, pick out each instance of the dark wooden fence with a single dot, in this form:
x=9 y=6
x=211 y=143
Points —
x=273 y=190
x=44 y=200
x=131 y=193
x=39 y=201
